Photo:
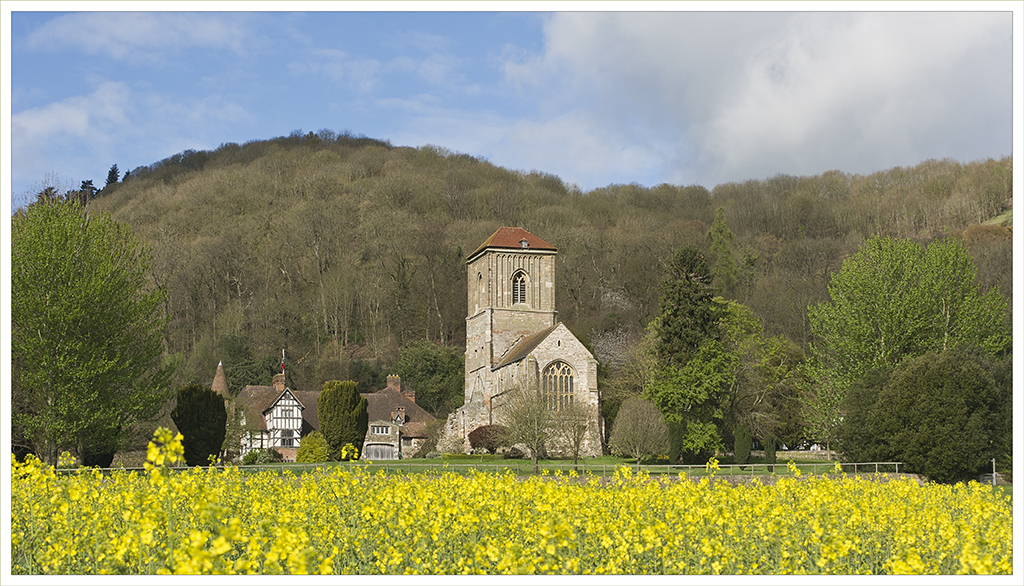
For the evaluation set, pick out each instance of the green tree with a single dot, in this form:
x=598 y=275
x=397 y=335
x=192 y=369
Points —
x=87 y=332
x=742 y=443
x=313 y=448
x=720 y=242
x=937 y=413
x=693 y=399
x=343 y=416
x=436 y=373
x=689 y=313
x=639 y=430
x=202 y=419
x=895 y=299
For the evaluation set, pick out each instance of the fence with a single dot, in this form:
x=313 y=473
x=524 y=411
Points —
x=525 y=468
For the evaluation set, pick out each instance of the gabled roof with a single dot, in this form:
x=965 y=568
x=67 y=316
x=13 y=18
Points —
x=523 y=348
x=506 y=237
x=380 y=405
x=258 y=399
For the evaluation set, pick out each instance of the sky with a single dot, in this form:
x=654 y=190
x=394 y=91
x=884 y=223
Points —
x=595 y=97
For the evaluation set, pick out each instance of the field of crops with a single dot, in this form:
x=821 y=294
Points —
x=349 y=521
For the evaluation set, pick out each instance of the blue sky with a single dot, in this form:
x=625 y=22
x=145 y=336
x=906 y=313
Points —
x=594 y=97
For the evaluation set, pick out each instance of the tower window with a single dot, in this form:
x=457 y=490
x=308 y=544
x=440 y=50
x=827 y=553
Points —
x=519 y=288
x=557 y=386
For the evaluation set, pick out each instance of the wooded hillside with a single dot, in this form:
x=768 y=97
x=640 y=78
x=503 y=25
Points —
x=342 y=249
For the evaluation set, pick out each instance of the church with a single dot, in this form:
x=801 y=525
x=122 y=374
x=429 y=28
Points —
x=514 y=340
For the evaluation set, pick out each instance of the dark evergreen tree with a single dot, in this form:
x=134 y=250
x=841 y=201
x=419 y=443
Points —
x=202 y=419
x=937 y=413
x=689 y=314
x=343 y=416
x=113 y=175
x=742 y=443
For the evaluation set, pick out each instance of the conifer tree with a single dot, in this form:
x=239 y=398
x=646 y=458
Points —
x=202 y=419
x=343 y=416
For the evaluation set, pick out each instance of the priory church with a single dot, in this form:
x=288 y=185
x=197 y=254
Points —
x=515 y=341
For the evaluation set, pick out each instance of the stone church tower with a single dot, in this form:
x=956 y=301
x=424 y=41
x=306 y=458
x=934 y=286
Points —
x=514 y=339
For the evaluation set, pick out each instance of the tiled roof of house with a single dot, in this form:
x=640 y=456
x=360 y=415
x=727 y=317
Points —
x=506 y=237
x=257 y=399
x=380 y=405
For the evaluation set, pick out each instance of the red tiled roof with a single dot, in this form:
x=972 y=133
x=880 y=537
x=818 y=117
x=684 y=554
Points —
x=506 y=237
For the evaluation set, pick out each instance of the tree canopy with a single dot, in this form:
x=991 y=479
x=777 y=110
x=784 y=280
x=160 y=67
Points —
x=639 y=430
x=88 y=331
x=892 y=300
x=938 y=413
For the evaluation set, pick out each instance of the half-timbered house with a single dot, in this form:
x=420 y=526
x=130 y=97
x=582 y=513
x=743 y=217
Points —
x=276 y=417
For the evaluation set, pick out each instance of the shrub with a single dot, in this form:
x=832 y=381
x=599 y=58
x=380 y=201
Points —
x=262 y=457
x=514 y=453
x=488 y=437
x=313 y=448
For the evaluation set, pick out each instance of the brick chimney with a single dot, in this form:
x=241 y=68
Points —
x=394 y=383
x=278 y=382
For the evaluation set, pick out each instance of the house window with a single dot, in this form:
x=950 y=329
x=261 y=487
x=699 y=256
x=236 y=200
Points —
x=286 y=412
x=557 y=386
x=286 y=438
x=519 y=288
x=380 y=429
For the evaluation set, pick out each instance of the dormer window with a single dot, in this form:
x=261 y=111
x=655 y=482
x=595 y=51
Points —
x=519 y=288
x=523 y=243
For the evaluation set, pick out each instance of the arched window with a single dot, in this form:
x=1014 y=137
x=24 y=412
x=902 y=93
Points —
x=557 y=386
x=519 y=288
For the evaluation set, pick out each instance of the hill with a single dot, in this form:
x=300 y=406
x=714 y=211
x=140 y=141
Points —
x=342 y=250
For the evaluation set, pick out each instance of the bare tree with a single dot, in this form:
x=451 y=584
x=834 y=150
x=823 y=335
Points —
x=571 y=425
x=639 y=430
x=527 y=421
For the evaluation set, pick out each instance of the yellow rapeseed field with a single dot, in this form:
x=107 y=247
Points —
x=343 y=520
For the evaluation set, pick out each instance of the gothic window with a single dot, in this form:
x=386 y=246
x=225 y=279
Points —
x=557 y=386
x=519 y=288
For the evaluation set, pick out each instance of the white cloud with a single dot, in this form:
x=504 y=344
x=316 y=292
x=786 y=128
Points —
x=360 y=74
x=141 y=36
x=745 y=95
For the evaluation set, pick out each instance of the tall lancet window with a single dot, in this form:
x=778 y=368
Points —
x=519 y=288
x=557 y=386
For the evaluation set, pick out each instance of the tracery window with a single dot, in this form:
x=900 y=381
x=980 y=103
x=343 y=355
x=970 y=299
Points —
x=519 y=288
x=557 y=386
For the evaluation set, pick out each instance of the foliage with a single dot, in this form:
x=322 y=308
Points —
x=639 y=431
x=742 y=444
x=694 y=396
x=345 y=249
x=938 y=413
x=275 y=523
x=896 y=299
x=488 y=437
x=268 y=456
x=343 y=416
x=87 y=331
x=201 y=417
x=689 y=313
x=313 y=448
x=435 y=373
